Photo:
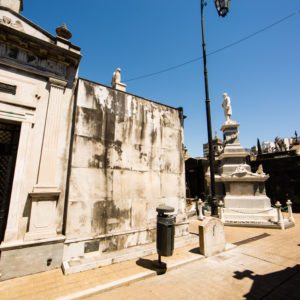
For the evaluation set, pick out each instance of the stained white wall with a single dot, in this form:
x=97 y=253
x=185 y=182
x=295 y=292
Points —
x=127 y=159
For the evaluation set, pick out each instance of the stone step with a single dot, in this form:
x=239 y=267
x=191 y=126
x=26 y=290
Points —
x=251 y=213
x=92 y=262
x=255 y=218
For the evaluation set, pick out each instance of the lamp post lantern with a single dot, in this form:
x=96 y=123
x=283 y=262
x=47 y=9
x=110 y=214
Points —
x=222 y=8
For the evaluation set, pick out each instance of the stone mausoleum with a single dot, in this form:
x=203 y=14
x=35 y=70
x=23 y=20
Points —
x=82 y=165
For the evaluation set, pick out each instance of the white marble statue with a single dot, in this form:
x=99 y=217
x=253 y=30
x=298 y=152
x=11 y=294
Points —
x=116 y=78
x=227 y=107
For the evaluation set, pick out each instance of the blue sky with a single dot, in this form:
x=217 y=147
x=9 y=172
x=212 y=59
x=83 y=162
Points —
x=261 y=75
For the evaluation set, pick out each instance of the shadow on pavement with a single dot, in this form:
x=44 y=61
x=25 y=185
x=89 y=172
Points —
x=195 y=250
x=284 y=284
x=153 y=265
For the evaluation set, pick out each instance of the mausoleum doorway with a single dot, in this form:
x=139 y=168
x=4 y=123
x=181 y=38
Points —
x=9 y=140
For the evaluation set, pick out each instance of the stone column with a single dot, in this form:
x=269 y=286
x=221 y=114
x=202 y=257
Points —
x=47 y=170
x=46 y=192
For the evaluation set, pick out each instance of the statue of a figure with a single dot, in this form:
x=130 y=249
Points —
x=227 y=107
x=116 y=78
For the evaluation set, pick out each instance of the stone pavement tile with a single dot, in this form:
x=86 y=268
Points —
x=289 y=289
x=276 y=249
x=276 y=285
x=54 y=284
x=172 y=261
x=236 y=234
x=230 y=275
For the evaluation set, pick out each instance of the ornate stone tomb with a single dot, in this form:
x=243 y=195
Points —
x=245 y=199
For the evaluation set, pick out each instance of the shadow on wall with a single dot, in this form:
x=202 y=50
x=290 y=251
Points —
x=284 y=284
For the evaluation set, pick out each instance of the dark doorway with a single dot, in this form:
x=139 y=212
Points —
x=195 y=169
x=9 y=140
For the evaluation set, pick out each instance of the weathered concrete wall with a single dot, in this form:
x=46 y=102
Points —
x=127 y=159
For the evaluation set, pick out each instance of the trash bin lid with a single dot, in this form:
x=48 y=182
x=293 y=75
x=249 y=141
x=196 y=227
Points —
x=164 y=209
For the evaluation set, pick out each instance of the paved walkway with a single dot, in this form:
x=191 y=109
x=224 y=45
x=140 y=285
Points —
x=263 y=266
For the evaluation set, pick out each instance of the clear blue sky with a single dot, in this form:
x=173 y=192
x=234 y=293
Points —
x=261 y=75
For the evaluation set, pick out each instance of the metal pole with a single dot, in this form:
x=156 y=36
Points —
x=208 y=119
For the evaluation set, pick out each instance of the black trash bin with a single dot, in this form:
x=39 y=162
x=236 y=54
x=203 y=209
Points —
x=165 y=231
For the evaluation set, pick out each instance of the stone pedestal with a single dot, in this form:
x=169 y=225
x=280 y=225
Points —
x=42 y=223
x=120 y=86
x=45 y=194
x=245 y=200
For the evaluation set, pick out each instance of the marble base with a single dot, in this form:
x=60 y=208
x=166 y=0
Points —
x=42 y=223
x=247 y=202
x=250 y=215
x=249 y=210
x=259 y=224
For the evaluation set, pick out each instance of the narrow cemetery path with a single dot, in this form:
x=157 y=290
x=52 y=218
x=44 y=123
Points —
x=265 y=267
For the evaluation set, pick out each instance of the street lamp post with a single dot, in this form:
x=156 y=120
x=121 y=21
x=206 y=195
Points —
x=222 y=7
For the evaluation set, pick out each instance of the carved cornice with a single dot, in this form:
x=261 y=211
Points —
x=33 y=58
x=38 y=28
x=36 y=52
x=57 y=83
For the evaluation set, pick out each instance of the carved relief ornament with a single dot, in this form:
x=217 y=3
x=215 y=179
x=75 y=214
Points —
x=28 y=57
x=8 y=22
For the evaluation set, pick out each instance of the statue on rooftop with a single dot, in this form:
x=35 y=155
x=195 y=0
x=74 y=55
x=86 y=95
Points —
x=116 y=78
x=227 y=107
x=116 y=81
